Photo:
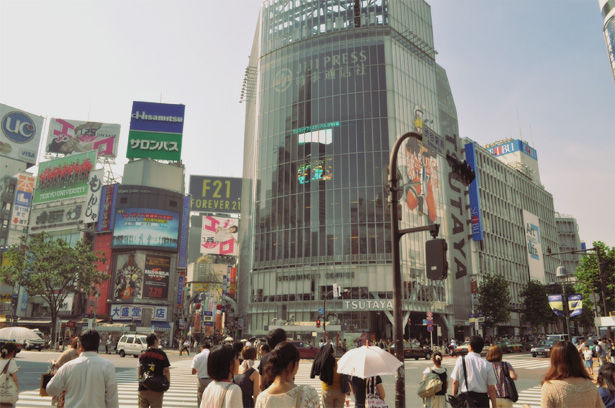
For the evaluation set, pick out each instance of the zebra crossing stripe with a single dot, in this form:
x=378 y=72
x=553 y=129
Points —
x=530 y=396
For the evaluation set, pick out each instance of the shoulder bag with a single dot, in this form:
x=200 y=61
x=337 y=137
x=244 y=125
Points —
x=372 y=399
x=158 y=383
x=9 y=393
x=463 y=399
x=45 y=378
x=430 y=385
x=509 y=384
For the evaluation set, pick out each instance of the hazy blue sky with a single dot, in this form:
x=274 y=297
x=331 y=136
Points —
x=535 y=68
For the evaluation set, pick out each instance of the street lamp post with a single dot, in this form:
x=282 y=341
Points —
x=561 y=272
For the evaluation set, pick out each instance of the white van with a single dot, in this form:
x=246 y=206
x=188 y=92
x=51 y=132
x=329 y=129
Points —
x=131 y=344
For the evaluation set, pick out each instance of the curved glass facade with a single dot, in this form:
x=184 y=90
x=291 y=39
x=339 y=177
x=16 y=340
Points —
x=334 y=83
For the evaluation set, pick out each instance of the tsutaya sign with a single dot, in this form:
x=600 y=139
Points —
x=371 y=304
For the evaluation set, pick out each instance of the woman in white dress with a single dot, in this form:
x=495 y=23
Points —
x=282 y=368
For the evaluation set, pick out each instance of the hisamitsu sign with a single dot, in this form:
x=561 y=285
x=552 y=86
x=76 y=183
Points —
x=215 y=194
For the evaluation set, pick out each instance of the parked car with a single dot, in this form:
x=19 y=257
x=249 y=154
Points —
x=306 y=350
x=30 y=344
x=543 y=348
x=509 y=346
x=413 y=350
x=462 y=349
x=131 y=344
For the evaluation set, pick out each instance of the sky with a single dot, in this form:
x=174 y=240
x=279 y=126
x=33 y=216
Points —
x=531 y=69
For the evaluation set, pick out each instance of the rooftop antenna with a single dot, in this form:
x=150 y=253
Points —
x=89 y=110
x=519 y=123
x=160 y=96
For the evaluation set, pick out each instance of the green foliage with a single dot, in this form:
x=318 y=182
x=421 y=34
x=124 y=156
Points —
x=494 y=300
x=52 y=269
x=588 y=278
x=536 y=309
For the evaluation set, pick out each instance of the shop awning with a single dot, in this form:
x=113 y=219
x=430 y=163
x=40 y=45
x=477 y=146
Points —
x=31 y=322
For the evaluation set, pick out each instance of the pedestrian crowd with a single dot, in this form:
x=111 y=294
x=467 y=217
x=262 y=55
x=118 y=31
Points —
x=262 y=374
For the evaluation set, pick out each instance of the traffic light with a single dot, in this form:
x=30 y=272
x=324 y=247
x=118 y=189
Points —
x=435 y=257
x=461 y=170
x=409 y=321
x=318 y=323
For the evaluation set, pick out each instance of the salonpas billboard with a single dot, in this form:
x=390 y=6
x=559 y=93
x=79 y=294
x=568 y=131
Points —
x=64 y=178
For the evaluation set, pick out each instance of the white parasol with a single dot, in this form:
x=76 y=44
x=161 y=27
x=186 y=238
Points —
x=18 y=333
x=368 y=361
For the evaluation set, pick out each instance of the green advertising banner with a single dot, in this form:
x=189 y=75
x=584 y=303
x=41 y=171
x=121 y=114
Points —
x=155 y=145
x=66 y=177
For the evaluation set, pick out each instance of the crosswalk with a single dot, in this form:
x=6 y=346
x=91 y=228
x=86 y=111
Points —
x=183 y=385
x=182 y=392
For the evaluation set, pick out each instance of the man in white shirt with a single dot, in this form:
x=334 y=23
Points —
x=199 y=366
x=89 y=380
x=481 y=377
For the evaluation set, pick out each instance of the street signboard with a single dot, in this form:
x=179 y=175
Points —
x=424 y=321
x=433 y=141
x=430 y=328
x=429 y=314
x=321 y=310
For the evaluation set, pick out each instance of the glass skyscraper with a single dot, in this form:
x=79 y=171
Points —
x=330 y=86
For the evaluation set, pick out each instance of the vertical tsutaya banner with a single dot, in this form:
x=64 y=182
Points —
x=219 y=235
x=534 y=246
x=473 y=191
x=64 y=178
x=75 y=136
x=20 y=134
x=156 y=277
x=575 y=304
x=23 y=202
x=156 y=131
x=233 y=273
x=129 y=275
x=556 y=303
x=92 y=203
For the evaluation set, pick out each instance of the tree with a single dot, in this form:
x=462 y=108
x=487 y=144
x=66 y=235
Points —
x=52 y=269
x=536 y=309
x=588 y=278
x=494 y=300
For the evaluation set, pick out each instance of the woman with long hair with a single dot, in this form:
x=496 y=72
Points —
x=494 y=356
x=439 y=399
x=280 y=371
x=567 y=383
x=8 y=352
x=606 y=381
x=222 y=365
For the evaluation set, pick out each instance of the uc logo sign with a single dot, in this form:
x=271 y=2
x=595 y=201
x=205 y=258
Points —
x=18 y=127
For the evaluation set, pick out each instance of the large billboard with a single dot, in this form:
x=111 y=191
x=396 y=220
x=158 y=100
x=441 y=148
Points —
x=75 y=136
x=121 y=312
x=60 y=215
x=20 y=134
x=156 y=131
x=219 y=235
x=534 y=246
x=147 y=227
x=66 y=177
x=156 y=277
x=128 y=283
x=215 y=194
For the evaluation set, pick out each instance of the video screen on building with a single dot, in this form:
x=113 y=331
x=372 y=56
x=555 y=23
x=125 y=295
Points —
x=315 y=170
x=146 y=227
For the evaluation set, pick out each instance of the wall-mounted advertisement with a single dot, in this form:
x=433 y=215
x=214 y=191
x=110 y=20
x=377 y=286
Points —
x=122 y=312
x=47 y=217
x=66 y=177
x=156 y=277
x=23 y=202
x=20 y=134
x=216 y=194
x=92 y=201
x=107 y=208
x=513 y=146
x=128 y=282
x=219 y=235
x=533 y=246
x=75 y=136
x=146 y=227
x=473 y=191
x=156 y=131
x=183 y=237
